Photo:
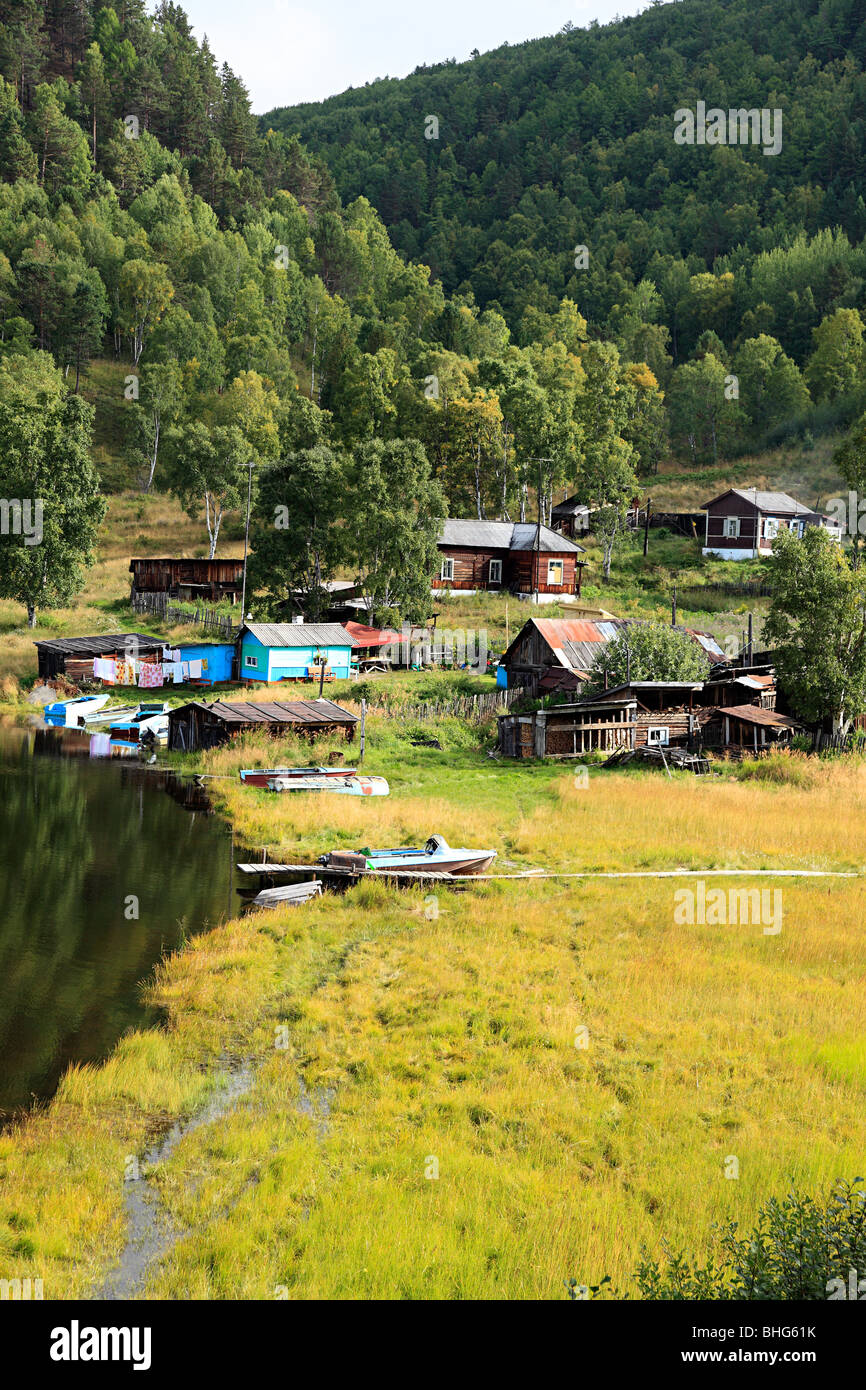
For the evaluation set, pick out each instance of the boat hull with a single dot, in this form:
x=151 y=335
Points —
x=71 y=712
x=463 y=865
x=345 y=786
x=263 y=776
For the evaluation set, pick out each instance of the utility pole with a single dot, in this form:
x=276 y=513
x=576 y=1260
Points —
x=251 y=466
x=649 y=503
x=674 y=608
x=537 y=551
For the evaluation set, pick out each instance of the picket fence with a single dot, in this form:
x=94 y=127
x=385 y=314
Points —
x=208 y=618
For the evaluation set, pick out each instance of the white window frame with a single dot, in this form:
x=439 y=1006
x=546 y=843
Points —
x=447 y=571
x=658 y=734
x=495 y=572
x=771 y=527
x=556 y=565
x=731 y=528
x=250 y=660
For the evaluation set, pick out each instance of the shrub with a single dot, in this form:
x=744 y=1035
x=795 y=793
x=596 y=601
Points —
x=797 y=1249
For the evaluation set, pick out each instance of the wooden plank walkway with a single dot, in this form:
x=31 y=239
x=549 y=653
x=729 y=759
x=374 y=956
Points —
x=528 y=875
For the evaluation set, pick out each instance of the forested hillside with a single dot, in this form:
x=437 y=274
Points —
x=568 y=141
x=212 y=301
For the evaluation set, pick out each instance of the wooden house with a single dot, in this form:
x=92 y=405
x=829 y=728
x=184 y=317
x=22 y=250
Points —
x=743 y=523
x=199 y=725
x=654 y=713
x=545 y=645
x=294 y=651
x=188 y=579
x=522 y=558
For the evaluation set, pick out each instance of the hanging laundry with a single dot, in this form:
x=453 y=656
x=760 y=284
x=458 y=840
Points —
x=177 y=672
x=125 y=673
x=195 y=670
x=175 y=656
x=105 y=669
x=150 y=677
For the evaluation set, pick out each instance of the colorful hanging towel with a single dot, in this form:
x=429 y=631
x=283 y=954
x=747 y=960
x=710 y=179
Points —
x=125 y=673
x=150 y=676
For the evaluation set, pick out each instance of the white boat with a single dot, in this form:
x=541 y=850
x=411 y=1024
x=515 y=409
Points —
x=72 y=712
x=346 y=780
x=148 y=721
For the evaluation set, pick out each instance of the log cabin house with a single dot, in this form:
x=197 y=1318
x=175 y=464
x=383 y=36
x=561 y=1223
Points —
x=188 y=579
x=522 y=558
x=743 y=523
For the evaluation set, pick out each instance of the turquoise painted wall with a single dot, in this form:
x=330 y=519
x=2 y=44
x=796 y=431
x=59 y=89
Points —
x=289 y=663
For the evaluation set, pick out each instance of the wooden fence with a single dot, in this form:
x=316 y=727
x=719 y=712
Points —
x=218 y=623
x=472 y=708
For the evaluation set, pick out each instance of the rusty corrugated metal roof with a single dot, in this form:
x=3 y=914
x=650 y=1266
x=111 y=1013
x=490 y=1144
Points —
x=754 y=714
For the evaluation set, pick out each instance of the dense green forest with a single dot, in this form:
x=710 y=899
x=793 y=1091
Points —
x=200 y=280
x=568 y=141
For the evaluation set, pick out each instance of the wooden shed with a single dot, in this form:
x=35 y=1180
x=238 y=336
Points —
x=187 y=578
x=747 y=727
x=201 y=725
x=74 y=656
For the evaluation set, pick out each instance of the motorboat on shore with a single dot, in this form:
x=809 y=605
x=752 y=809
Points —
x=437 y=856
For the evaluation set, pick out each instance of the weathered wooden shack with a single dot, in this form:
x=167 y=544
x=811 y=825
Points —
x=660 y=713
x=202 y=725
x=188 y=578
x=74 y=656
x=747 y=727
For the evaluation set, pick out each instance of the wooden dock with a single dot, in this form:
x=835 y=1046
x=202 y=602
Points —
x=409 y=876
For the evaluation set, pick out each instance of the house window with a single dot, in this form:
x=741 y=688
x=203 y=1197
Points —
x=732 y=527
x=554 y=571
x=771 y=528
x=250 y=660
x=495 y=571
x=447 y=569
x=658 y=735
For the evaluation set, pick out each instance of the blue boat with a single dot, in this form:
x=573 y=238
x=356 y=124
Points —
x=74 y=712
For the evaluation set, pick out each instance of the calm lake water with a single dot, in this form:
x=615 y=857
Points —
x=79 y=837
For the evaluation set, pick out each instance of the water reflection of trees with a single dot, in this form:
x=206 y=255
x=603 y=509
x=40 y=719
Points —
x=79 y=839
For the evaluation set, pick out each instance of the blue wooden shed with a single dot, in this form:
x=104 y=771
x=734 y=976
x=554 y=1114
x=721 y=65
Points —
x=294 y=651
x=217 y=659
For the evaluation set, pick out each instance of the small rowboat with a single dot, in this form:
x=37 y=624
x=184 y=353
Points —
x=71 y=712
x=437 y=856
x=345 y=780
x=262 y=776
